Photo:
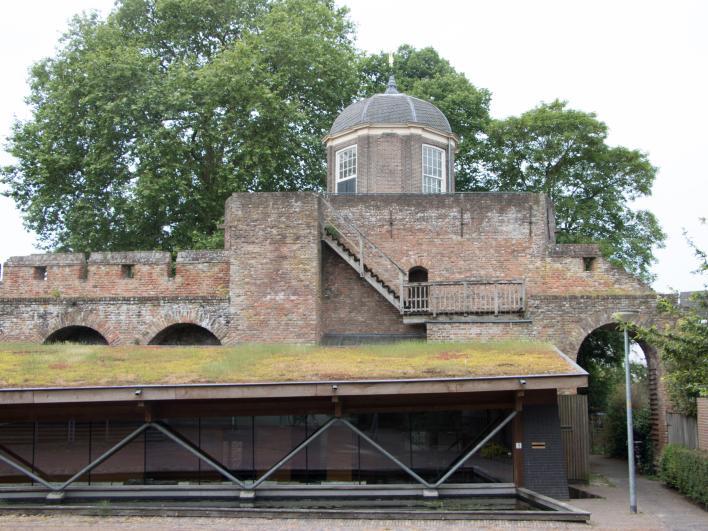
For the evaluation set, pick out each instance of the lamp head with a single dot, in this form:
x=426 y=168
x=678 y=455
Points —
x=624 y=315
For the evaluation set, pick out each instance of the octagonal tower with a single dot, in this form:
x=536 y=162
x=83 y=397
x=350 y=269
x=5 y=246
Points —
x=391 y=143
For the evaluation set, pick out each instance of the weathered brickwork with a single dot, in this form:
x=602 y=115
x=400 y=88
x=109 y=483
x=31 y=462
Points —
x=351 y=306
x=133 y=274
x=702 y=423
x=481 y=236
x=119 y=320
x=274 y=242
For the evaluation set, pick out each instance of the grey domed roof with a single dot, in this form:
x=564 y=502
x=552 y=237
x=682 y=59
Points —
x=392 y=107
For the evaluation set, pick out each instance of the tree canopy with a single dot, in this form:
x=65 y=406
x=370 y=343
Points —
x=564 y=153
x=684 y=346
x=142 y=124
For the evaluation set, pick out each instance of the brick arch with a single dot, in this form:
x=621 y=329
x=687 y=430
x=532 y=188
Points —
x=199 y=318
x=79 y=318
x=587 y=323
x=657 y=393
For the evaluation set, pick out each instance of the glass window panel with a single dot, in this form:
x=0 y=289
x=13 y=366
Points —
x=346 y=170
x=433 y=170
x=18 y=439
x=165 y=460
x=274 y=438
x=229 y=440
x=62 y=448
x=128 y=464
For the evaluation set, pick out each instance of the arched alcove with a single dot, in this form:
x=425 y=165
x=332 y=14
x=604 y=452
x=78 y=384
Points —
x=417 y=274
x=185 y=334
x=604 y=347
x=76 y=334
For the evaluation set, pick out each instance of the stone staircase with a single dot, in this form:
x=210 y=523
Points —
x=332 y=238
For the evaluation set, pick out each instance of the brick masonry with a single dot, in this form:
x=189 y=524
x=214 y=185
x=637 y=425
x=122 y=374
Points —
x=702 y=423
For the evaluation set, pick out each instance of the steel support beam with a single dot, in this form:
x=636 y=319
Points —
x=191 y=448
x=474 y=450
x=24 y=470
x=194 y=450
x=294 y=452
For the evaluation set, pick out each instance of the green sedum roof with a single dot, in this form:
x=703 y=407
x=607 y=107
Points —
x=69 y=365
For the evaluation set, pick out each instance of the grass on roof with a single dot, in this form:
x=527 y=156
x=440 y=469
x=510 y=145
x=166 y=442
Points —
x=30 y=365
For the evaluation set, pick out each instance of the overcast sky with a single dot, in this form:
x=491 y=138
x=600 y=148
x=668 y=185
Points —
x=640 y=65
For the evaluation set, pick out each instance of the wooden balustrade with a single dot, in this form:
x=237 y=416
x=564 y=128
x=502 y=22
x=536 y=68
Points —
x=464 y=297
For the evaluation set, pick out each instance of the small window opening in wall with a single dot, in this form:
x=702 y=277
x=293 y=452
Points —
x=40 y=273
x=127 y=271
x=588 y=263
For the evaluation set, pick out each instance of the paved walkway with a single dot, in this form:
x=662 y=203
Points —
x=660 y=508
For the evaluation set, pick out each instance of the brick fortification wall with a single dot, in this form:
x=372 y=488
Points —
x=483 y=236
x=127 y=297
x=281 y=283
x=351 y=306
x=274 y=252
x=127 y=274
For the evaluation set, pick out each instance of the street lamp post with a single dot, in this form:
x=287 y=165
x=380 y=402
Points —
x=624 y=316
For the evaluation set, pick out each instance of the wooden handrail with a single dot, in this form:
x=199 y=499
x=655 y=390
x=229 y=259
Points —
x=464 y=297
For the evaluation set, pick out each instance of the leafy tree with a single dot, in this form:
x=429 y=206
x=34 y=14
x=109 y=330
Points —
x=684 y=346
x=563 y=153
x=143 y=124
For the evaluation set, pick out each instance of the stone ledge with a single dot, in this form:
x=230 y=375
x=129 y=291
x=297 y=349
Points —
x=576 y=250
x=49 y=259
x=201 y=257
x=105 y=300
x=130 y=257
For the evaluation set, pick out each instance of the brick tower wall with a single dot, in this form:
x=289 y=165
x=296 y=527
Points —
x=274 y=252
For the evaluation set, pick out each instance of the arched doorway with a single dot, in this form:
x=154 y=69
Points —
x=602 y=355
x=185 y=334
x=76 y=334
x=418 y=290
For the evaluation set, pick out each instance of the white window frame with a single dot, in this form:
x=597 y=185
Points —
x=443 y=176
x=337 y=156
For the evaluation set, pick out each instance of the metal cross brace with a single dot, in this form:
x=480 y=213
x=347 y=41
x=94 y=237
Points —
x=196 y=451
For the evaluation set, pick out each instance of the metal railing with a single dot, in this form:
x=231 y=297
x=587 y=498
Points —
x=464 y=297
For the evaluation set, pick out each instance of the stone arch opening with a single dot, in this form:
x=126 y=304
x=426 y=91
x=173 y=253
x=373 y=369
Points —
x=418 y=291
x=185 y=334
x=83 y=335
x=604 y=346
x=417 y=274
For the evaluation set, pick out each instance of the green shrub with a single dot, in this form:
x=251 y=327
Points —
x=686 y=470
x=615 y=436
x=494 y=449
x=332 y=231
